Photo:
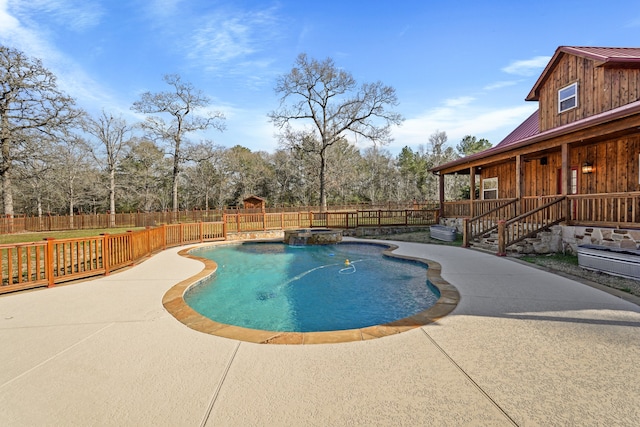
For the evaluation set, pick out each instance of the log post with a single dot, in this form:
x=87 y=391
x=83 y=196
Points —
x=502 y=238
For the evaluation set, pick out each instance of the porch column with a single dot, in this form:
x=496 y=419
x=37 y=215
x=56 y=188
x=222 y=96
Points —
x=472 y=191
x=565 y=174
x=519 y=184
x=565 y=170
x=441 y=193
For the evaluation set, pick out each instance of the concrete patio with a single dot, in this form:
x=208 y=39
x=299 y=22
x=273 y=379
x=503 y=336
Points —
x=523 y=347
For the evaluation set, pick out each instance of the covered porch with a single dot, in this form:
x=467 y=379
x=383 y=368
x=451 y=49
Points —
x=586 y=173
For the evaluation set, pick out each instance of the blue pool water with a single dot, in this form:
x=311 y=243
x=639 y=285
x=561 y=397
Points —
x=276 y=287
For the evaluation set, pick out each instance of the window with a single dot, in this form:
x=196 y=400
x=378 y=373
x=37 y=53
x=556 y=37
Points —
x=490 y=188
x=573 y=185
x=568 y=98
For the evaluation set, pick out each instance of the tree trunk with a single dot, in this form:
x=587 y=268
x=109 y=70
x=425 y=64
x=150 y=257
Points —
x=112 y=198
x=176 y=171
x=8 y=201
x=7 y=195
x=323 y=195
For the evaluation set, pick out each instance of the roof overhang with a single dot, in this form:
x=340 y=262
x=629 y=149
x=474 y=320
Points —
x=488 y=156
x=602 y=57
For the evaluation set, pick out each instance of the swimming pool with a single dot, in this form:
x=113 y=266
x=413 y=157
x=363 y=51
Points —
x=276 y=287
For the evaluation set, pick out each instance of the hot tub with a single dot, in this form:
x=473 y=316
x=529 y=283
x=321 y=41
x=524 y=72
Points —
x=616 y=261
x=312 y=236
x=444 y=233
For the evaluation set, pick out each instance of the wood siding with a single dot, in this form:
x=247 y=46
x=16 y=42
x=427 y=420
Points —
x=506 y=183
x=615 y=162
x=599 y=89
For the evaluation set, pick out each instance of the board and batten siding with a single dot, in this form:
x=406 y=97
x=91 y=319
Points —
x=615 y=162
x=599 y=89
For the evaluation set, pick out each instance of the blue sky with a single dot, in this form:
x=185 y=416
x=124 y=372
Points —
x=463 y=67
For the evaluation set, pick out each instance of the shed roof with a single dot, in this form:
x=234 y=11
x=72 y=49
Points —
x=603 y=56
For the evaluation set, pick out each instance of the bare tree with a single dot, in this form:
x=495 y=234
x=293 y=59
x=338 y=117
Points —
x=329 y=99
x=180 y=104
x=30 y=103
x=440 y=153
x=71 y=167
x=144 y=174
x=112 y=134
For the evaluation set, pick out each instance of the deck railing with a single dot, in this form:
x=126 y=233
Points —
x=469 y=208
x=487 y=221
x=52 y=261
x=611 y=209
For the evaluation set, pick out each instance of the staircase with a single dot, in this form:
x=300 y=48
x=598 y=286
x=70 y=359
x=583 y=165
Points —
x=499 y=229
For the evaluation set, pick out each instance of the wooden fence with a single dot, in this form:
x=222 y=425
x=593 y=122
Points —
x=52 y=261
x=23 y=223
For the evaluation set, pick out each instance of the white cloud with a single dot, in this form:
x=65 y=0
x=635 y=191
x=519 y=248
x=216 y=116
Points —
x=500 y=85
x=7 y=22
x=459 y=121
x=238 y=37
x=527 y=67
x=34 y=42
x=76 y=15
x=459 y=102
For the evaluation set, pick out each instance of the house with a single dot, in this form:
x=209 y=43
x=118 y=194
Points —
x=572 y=167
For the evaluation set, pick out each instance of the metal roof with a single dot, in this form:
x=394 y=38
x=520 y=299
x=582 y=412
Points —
x=528 y=128
x=605 y=54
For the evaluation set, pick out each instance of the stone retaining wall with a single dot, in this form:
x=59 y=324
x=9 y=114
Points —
x=574 y=236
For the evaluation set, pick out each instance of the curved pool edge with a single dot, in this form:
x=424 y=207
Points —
x=173 y=301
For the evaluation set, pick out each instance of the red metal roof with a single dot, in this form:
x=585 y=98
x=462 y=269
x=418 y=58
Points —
x=604 y=57
x=605 y=54
x=528 y=128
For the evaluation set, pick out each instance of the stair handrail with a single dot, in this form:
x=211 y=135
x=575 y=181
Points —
x=468 y=235
x=507 y=238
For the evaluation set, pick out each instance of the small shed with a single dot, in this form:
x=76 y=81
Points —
x=254 y=202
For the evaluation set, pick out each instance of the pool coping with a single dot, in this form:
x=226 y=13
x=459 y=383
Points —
x=173 y=301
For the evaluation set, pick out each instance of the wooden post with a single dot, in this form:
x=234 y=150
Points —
x=310 y=219
x=48 y=262
x=164 y=236
x=502 y=250
x=130 y=244
x=465 y=232
x=224 y=225
x=566 y=180
x=472 y=191
x=106 y=251
x=148 y=234
x=519 y=185
x=264 y=221
x=441 y=193
x=201 y=231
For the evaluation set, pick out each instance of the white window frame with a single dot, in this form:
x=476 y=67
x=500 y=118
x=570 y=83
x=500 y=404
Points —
x=489 y=185
x=562 y=98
